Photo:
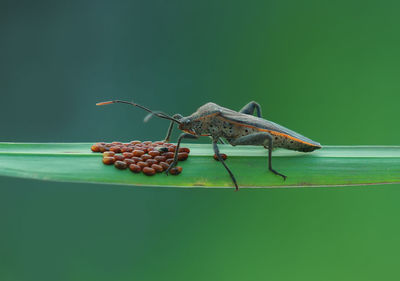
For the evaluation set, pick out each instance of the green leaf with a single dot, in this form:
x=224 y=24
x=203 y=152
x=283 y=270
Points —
x=332 y=165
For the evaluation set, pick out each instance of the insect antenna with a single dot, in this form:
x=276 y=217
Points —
x=156 y=113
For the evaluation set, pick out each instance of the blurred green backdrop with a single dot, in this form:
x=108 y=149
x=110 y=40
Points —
x=327 y=69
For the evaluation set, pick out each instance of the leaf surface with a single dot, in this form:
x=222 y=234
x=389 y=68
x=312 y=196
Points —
x=332 y=165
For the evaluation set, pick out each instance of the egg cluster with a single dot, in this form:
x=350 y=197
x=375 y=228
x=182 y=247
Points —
x=147 y=157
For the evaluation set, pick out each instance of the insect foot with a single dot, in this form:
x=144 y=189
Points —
x=279 y=174
x=223 y=155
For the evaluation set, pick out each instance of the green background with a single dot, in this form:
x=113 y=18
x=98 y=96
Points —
x=327 y=69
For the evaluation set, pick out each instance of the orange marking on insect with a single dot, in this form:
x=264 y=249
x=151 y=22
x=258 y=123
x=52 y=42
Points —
x=269 y=131
x=286 y=136
x=189 y=132
x=208 y=115
x=194 y=133
x=104 y=103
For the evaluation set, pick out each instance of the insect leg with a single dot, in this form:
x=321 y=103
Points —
x=216 y=151
x=262 y=138
x=220 y=140
x=270 y=160
x=171 y=126
x=250 y=108
x=182 y=136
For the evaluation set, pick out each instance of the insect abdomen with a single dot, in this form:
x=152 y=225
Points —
x=283 y=141
x=221 y=127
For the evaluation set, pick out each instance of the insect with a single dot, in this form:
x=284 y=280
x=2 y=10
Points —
x=237 y=128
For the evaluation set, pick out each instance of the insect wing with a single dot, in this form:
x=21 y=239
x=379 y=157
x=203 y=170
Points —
x=262 y=124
